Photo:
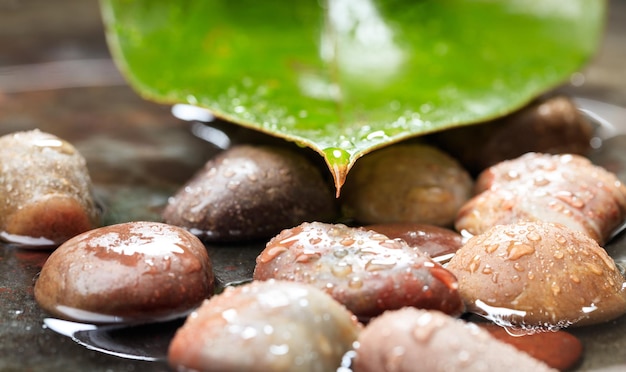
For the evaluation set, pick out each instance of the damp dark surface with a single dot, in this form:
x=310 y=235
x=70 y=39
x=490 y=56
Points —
x=56 y=75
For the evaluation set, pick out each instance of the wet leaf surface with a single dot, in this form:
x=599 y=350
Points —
x=346 y=77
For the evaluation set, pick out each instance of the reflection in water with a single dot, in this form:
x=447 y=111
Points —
x=147 y=342
x=198 y=117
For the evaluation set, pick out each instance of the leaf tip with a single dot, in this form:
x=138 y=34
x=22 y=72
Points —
x=338 y=161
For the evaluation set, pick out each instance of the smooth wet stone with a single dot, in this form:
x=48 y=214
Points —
x=566 y=189
x=406 y=183
x=539 y=275
x=130 y=272
x=364 y=270
x=45 y=190
x=411 y=339
x=265 y=326
x=249 y=193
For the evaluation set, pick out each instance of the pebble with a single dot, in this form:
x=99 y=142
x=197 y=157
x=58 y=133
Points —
x=538 y=275
x=265 y=326
x=565 y=188
x=129 y=272
x=251 y=193
x=364 y=270
x=411 y=339
x=45 y=191
x=406 y=183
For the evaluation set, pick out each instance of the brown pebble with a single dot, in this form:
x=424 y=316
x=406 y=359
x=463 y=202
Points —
x=45 y=191
x=539 y=275
x=251 y=192
x=130 y=272
x=406 y=183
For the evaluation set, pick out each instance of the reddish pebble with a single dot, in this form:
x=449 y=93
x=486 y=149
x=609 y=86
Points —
x=366 y=271
x=565 y=189
x=136 y=271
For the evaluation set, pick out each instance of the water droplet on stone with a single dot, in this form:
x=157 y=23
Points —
x=381 y=263
x=281 y=349
x=309 y=256
x=494 y=277
x=355 y=282
x=347 y=242
x=511 y=175
x=394 y=358
x=490 y=248
x=517 y=251
x=379 y=237
x=426 y=327
x=341 y=269
x=533 y=236
x=594 y=268
x=315 y=241
x=474 y=264
x=269 y=254
x=55 y=144
x=570 y=199
x=391 y=244
x=233 y=185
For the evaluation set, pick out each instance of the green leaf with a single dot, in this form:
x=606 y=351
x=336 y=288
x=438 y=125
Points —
x=345 y=77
